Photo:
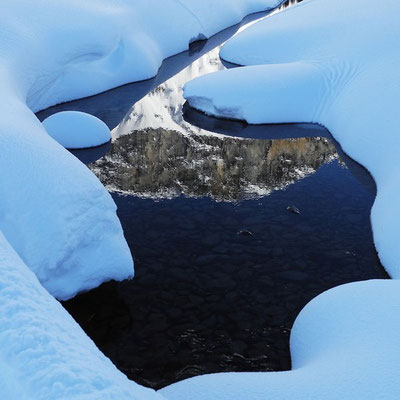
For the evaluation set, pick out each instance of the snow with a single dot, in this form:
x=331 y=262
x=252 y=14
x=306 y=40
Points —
x=334 y=63
x=77 y=130
x=344 y=345
x=58 y=224
x=44 y=354
x=54 y=212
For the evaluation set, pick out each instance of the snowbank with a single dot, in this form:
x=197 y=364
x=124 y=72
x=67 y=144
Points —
x=53 y=211
x=55 y=217
x=77 y=130
x=44 y=353
x=335 y=63
x=344 y=347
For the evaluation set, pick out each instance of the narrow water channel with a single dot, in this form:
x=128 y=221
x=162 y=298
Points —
x=233 y=229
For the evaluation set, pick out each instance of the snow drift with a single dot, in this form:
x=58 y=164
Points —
x=335 y=63
x=55 y=217
x=77 y=130
x=44 y=354
x=344 y=346
x=332 y=62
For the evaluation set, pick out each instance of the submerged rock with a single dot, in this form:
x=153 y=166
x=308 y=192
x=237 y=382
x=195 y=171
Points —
x=245 y=232
x=293 y=209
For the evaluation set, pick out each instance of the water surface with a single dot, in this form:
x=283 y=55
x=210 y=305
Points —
x=233 y=228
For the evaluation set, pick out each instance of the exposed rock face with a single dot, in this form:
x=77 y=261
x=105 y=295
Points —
x=160 y=163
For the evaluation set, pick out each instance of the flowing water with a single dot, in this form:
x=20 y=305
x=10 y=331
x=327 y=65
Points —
x=233 y=228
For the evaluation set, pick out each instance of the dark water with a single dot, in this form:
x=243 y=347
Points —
x=234 y=228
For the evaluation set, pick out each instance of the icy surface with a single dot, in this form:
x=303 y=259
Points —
x=77 y=130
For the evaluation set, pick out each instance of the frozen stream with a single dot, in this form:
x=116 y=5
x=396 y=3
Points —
x=223 y=267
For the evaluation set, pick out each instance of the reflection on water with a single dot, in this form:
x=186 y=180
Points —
x=223 y=266
x=162 y=107
x=159 y=163
x=219 y=283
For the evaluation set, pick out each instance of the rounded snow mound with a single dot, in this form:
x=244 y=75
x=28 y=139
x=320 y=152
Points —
x=77 y=130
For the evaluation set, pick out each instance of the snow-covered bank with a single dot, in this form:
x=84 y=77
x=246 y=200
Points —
x=54 y=212
x=56 y=218
x=333 y=62
x=44 y=353
x=344 y=346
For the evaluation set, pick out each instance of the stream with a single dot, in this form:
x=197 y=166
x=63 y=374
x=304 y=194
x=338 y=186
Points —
x=233 y=228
